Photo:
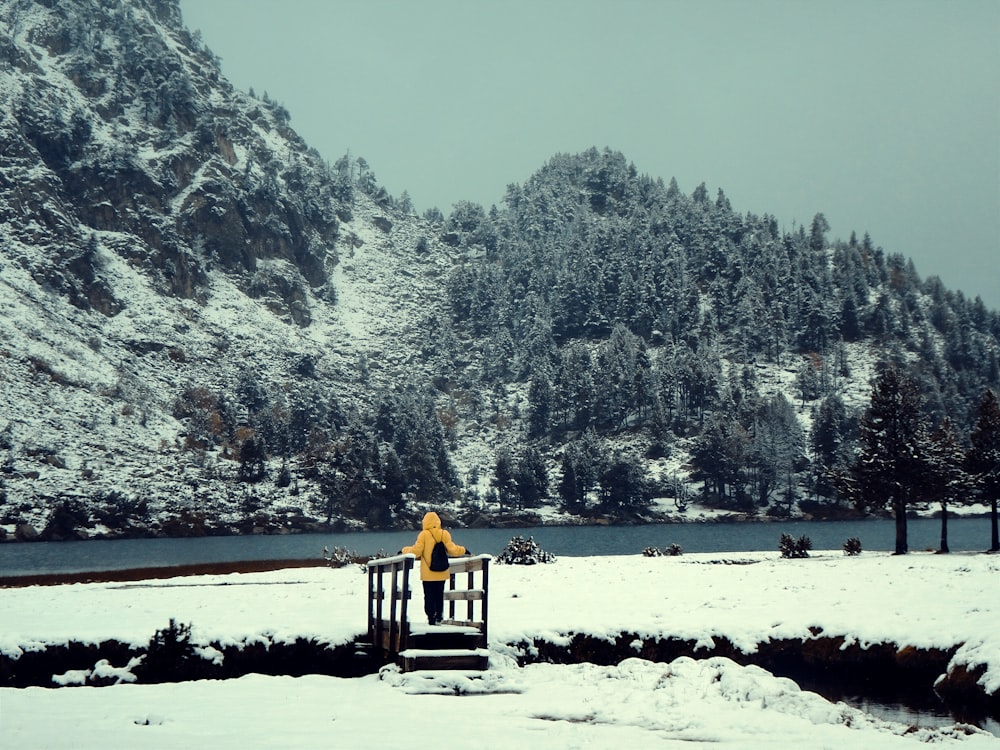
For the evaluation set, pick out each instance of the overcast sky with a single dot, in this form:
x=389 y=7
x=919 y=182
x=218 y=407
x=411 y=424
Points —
x=884 y=115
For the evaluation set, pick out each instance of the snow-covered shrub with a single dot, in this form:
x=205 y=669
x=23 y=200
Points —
x=852 y=546
x=671 y=550
x=340 y=557
x=284 y=476
x=793 y=548
x=521 y=551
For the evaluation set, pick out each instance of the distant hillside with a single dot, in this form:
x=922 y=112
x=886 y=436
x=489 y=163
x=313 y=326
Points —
x=206 y=328
x=661 y=338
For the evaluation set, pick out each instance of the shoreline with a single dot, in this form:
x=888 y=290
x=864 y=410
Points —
x=128 y=575
x=498 y=523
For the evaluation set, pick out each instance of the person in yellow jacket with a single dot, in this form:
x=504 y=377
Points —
x=433 y=580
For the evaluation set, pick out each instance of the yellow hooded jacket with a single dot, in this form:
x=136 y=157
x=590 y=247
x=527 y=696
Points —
x=432 y=534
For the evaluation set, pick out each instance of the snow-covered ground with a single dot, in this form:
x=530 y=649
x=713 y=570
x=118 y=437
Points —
x=919 y=599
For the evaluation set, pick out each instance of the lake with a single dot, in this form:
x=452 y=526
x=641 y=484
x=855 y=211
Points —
x=27 y=558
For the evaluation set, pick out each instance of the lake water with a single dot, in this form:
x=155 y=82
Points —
x=964 y=534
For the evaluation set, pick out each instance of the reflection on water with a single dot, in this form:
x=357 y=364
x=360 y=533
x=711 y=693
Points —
x=912 y=704
x=923 y=718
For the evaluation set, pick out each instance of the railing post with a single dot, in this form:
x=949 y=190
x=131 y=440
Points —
x=404 y=638
x=470 y=583
x=486 y=597
x=393 y=625
x=375 y=613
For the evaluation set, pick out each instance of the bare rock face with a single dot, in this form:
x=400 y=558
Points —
x=119 y=125
x=25 y=532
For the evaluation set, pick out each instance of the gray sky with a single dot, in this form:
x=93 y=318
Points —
x=882 y=114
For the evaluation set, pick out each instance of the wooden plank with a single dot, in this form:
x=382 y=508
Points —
x=464 y=595
x=465 y=564
x=400 y=593
x=394 y=638
x=471 y=660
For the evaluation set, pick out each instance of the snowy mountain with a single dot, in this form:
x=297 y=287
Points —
x=165 y=235
x=206 y=328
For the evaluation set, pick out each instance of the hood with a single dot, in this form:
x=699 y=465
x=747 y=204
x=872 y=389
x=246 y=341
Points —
x=431 y=521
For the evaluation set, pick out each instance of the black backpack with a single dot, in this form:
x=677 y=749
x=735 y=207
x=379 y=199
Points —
x=439 y=558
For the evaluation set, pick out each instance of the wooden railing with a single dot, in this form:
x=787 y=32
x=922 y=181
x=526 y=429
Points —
x=471 y=593
x=389 y=594
x=390 y=630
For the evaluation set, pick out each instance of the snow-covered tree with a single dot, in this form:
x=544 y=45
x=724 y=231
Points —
x=720 y=458
x=983 y=459
x=889 y=468
x=776 y=445
x=945 y=480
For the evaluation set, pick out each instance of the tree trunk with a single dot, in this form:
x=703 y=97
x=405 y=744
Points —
x=900 y=510
x=944 y=530
x=994 y=535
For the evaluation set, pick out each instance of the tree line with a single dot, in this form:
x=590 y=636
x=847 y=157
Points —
x=634 y=320
x=903 y=460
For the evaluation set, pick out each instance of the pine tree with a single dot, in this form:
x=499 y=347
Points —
x=720 y=457
x=622 y=486
x=817 y=232
x=503 y=478
x=539 y=404
x=945 y=480
x=831 y=440
x=983 y=459
x=532 y=478
x=253 y=455
x=893 y=447
x=776 y=444
x=571 y=489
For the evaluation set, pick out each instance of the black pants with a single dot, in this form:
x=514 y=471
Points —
x=433 y=600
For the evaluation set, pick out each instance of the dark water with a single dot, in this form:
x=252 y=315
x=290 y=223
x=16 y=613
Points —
x=968 y=534
x=925 y=717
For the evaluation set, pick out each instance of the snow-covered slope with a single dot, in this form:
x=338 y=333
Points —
x=164 y=235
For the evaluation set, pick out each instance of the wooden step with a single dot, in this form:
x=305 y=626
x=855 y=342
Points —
x=449 y=637
x=414 y=659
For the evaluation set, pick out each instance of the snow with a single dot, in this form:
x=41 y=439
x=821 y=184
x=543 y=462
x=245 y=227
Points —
x=920 y=599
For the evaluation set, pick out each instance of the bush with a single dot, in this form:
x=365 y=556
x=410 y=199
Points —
x=340 y=557
x=852 y=546
x=284 y=476
x=117 y=510
x=521 y=551
x=66 y=521
x=795 y=548
x=671 y=550
x=169 y=655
